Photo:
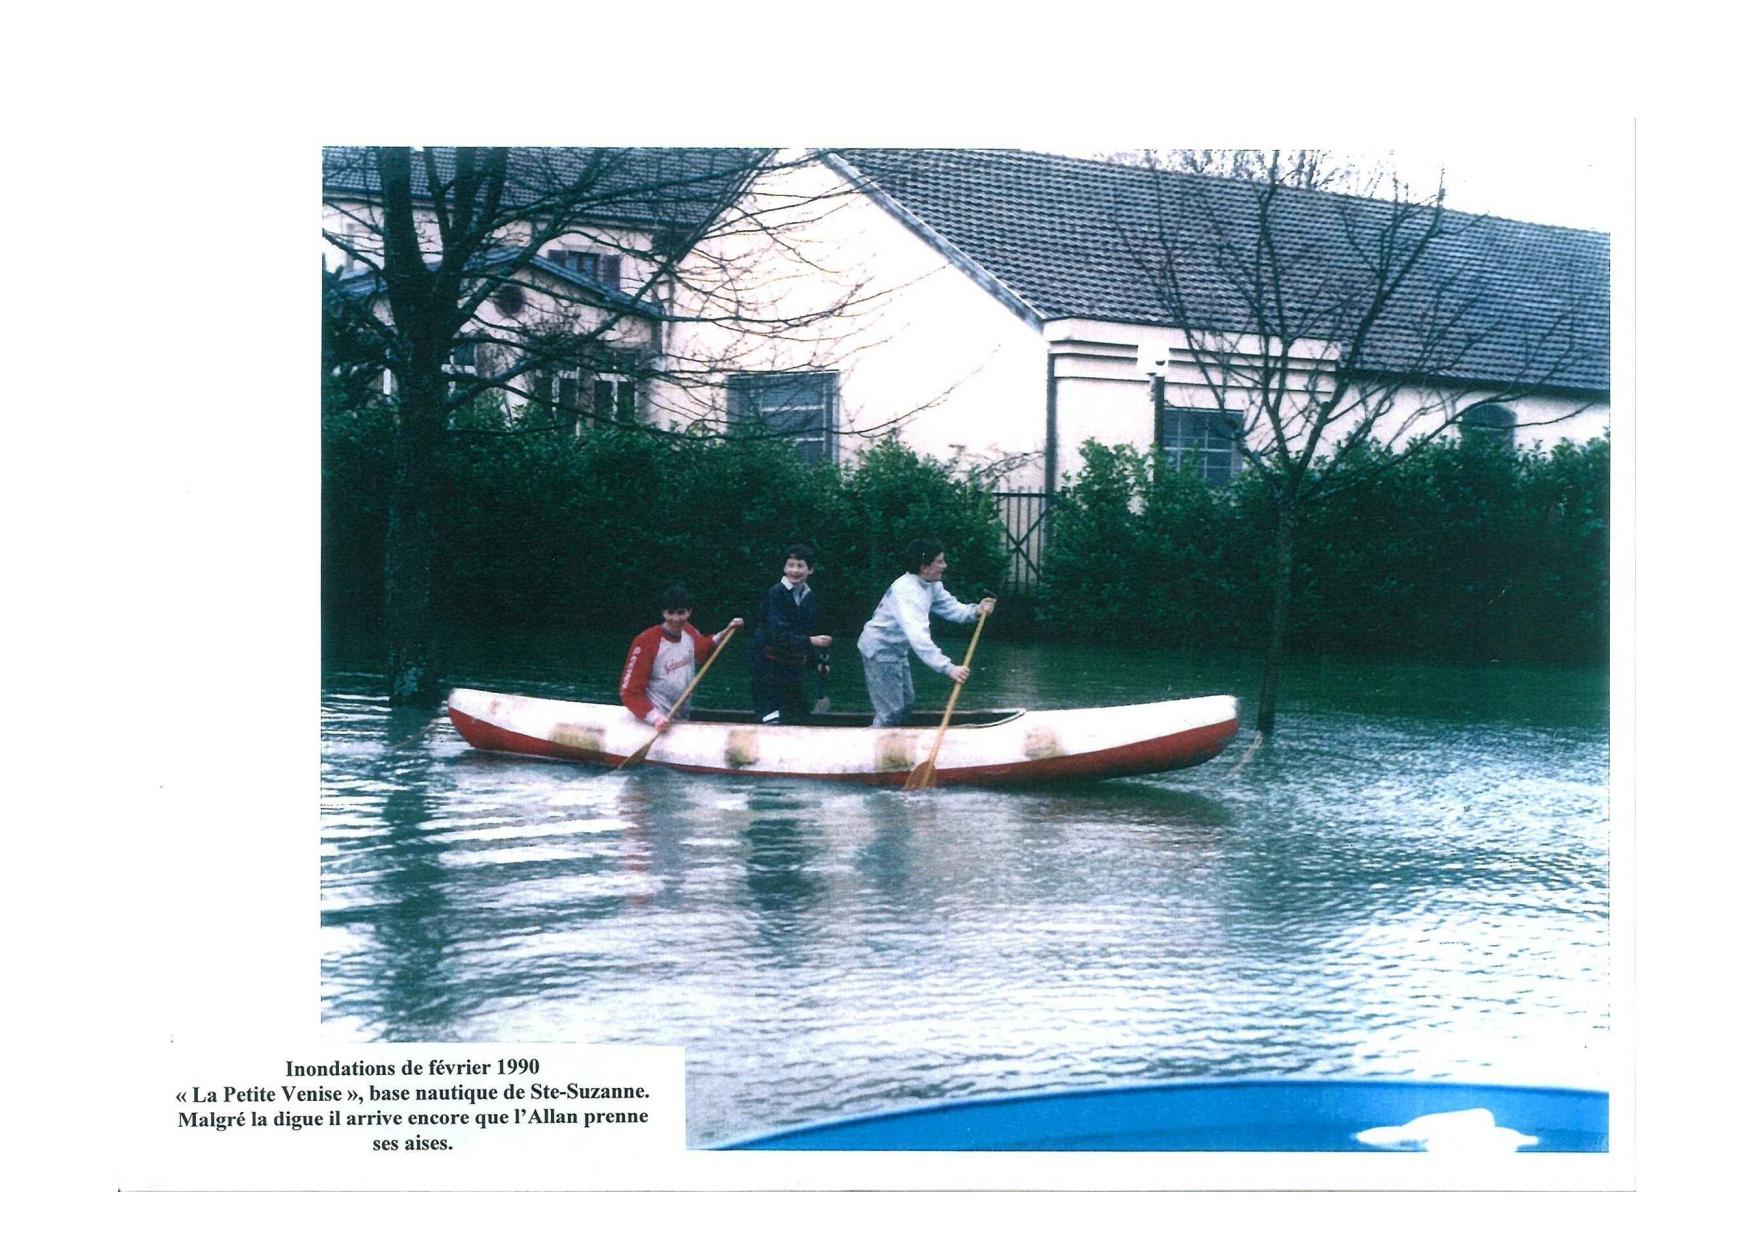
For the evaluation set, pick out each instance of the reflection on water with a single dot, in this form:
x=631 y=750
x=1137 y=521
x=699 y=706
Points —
x=1411 y=880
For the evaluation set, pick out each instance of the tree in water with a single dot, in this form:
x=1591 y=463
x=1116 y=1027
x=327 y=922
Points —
x=1310 y=323
x=555 y=288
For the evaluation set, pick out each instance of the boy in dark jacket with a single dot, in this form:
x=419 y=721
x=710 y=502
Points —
x=788 y=652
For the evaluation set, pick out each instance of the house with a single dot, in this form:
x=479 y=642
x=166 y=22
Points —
x=572 y=280
x=995 y=308
x=1014 y=305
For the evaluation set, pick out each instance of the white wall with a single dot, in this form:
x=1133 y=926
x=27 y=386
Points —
x=1100 y=393
x=1103 y=393
x=922 y=351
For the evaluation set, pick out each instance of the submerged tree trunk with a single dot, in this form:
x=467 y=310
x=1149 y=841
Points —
x=1284 y=541
x=408 y=555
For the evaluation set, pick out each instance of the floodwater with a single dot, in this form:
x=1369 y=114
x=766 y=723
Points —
x=1410 y=881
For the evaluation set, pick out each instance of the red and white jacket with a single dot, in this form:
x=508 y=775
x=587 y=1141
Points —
x=659 y=668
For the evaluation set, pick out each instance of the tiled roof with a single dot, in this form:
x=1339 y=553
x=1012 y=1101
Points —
x=679 y=187
x=1077 y=238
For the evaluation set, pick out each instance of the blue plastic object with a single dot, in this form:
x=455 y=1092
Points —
x=1235 y=1117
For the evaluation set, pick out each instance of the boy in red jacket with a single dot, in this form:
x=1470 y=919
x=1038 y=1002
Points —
x=664 y=658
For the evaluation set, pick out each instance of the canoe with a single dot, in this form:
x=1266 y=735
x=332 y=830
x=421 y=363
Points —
x=980 y=747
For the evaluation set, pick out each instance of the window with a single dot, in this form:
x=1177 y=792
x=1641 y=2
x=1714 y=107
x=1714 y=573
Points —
x=1489 y=424
x=799 y=406
x=1203 y=440
x=604 y=269
x=562 y=395
x=614 y=396
x=463 y=359
x=355 y=237
x=583 y=397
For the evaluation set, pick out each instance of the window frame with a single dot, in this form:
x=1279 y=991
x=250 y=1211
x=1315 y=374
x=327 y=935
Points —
x=456 y=371
x=1489 y=423
x=1176 y=444
x=472 y=348
x=620 y=374
x=819 y=444
x=598 y=266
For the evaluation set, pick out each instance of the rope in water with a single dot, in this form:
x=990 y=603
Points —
x=1248 y=754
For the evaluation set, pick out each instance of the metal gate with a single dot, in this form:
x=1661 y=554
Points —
x=1025 y=514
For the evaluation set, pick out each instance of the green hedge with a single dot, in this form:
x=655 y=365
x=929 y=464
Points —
x=548 y=529
x=1464 y=551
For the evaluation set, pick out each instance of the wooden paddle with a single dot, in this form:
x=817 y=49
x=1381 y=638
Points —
x=925 y=775
x=639 y=755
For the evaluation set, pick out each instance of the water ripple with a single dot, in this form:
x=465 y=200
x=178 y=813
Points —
x=1380 y=892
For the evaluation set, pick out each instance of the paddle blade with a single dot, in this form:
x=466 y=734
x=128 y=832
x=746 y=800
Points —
x=637 y=756
x=923 y=776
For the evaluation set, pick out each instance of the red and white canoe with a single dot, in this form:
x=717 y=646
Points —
x=980 y=747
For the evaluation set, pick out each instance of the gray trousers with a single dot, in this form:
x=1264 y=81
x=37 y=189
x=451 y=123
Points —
x=890 y=682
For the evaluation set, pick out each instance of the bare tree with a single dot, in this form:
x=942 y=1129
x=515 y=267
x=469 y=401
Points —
x=1312 y=324
x=553 y=282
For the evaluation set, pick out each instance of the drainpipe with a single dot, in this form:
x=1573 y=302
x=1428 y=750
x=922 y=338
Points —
x=1051 y=457
x=1157 y=419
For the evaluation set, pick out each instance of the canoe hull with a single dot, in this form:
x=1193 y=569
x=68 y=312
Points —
x=1023 y=747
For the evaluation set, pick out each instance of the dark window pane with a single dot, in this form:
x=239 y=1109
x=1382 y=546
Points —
x=1203 y=440
x=799 y=406
x=1493 y=424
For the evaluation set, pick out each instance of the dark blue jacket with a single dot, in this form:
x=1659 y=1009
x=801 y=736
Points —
x=783 y=629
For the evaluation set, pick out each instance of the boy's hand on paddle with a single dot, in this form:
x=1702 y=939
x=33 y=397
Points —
x=987 y=605
x=958 y=674
x=663 y=724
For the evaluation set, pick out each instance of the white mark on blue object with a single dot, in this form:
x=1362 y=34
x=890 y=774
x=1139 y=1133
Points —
x=1449 y=1132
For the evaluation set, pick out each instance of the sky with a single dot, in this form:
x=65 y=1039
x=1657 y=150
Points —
x=1582 y=182
x=1579 y=187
